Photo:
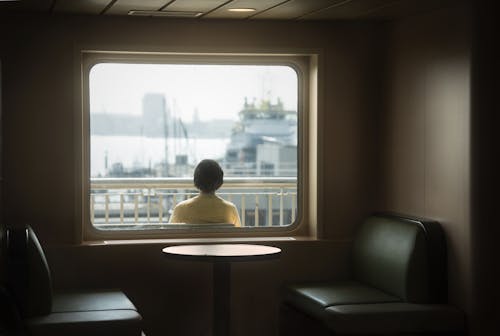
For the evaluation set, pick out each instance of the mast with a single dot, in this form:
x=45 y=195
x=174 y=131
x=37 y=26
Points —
x=165 y=136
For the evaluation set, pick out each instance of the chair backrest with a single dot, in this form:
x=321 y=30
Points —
x=3 y=254
x=28 y=274
x=197 y=227
x=402 y=256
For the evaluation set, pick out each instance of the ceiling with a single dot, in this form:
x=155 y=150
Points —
x=220 y=9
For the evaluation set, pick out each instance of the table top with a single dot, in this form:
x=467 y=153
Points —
x=222 y=252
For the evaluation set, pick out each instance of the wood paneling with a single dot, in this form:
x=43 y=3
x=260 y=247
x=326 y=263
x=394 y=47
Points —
x=426 y=147
x=485 y=168
x=41 y=82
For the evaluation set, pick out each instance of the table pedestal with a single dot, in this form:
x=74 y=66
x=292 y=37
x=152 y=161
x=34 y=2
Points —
x=221 y=256
x=221 y=298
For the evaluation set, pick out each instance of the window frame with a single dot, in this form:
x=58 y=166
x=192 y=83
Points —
x=305 y=66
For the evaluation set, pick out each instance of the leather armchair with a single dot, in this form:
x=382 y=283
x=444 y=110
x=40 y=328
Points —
x=44 y=312
x=398 y=286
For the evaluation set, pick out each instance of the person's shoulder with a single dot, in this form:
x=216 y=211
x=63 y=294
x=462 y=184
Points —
x=227 y=203
x=185 y=203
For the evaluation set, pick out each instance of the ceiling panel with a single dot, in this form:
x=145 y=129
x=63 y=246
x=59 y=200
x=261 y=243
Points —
x=349 y=9
x=259 y=6
x=81 y=6
x=265 y=9
x=122 y=7
x=295 y=9
x=407 y=7
x=26 y=5
x=202 y=6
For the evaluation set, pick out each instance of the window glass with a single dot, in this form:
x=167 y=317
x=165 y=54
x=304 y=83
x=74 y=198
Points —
x=150 y=124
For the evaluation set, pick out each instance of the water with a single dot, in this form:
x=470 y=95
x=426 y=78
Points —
x=143 y=152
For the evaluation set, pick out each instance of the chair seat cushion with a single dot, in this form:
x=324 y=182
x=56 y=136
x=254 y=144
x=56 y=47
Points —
x=88 y=313
x=91 y=301
x=314 y=298
x=96 y=323
x=391 y=318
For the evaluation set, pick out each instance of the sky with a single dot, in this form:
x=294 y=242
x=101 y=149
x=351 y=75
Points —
x=215 y=91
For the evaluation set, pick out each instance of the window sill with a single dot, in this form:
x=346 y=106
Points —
x=221 y=240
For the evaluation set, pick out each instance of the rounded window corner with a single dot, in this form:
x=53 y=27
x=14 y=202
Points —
x=129 y=207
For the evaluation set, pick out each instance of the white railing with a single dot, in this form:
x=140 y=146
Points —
x=145 y=203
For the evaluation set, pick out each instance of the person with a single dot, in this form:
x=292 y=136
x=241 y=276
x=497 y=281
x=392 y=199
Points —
x=206 y=207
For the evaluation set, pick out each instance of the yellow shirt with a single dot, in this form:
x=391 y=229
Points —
x=205 y=208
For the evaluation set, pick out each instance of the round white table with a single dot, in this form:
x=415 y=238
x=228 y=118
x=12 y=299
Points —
x=222 y=255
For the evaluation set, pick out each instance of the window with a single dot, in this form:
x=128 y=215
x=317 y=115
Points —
x=152 y=118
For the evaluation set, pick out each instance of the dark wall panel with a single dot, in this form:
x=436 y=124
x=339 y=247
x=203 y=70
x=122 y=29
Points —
x=41 y=156
x=426 y=148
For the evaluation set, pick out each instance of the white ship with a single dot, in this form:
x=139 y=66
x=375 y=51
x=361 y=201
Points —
x=264 y=141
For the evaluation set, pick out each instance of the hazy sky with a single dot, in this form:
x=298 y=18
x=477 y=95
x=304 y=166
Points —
x=216 y=91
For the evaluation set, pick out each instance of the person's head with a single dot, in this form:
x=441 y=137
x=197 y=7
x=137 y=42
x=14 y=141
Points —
x=208 y=176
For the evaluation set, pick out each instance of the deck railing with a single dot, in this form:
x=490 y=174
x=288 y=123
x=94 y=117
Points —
x=145 y=203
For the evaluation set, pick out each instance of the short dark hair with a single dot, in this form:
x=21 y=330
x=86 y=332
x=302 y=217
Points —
x=208 y=176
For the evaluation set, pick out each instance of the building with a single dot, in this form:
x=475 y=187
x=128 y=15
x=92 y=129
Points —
x=156 y=116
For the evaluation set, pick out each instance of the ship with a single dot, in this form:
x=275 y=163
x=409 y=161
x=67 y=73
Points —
x=263 y=141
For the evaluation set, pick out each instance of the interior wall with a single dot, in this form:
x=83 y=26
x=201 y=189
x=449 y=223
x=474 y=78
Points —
x=426 y=146
x=485 y=168
x=354 y=95
x=2 y=227
x=40 y=59
x=175 y=297
x=41 y=88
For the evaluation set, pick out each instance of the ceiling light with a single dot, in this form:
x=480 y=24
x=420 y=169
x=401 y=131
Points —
x=178 y=14
x=241 y=10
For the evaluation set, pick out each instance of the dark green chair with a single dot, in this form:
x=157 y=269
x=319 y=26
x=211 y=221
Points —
x=41 y=311
x=398 y=286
